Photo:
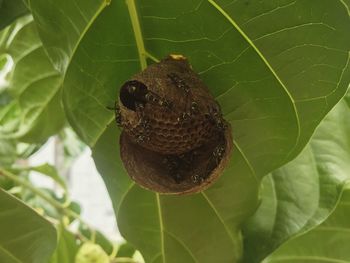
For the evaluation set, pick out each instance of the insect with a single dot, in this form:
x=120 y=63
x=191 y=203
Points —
x=117 y=113
x=215 y=158
x=179 y=82
x=218 y=153
x=172 y=128
x=142 y=138
x=186 y=116
x=144 y=127
x=178 y=164
x=197 y=179
x=173 y=164
x=135 y=94
x=215 y=117
x=188 y=158
x=191 y=106
x=154 y=98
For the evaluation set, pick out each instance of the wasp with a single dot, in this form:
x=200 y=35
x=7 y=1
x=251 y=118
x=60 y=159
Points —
x=177 y=165
x=144 y=127
x=188 y=158
x=179 y=82
x=187 y=115
x=142 y=138
x=191 y=106
x=218 y=153
x=134 y=93
x=215 y=117
x=154 y=98
x=215 y=158
x=173 y=164
x=118 y=116
x=197 y=179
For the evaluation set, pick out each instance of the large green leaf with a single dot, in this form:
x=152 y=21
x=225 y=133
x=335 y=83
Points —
x=8 y=153
x=302 y=62
x=25 y=237
x=35 y=112
x=200 y=228
x=328 y=242
x=50 y=171
x=10 y=10
x=62 y=24
x=67 y=247
x=275 y=67
x=303 y=193
x=99 y=239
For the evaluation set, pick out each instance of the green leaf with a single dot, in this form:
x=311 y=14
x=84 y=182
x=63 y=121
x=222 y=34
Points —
x=10 y=10
x=3 y=62
x=73 y=147
x=91 y=253
x=275 y=82
x=35 y=113
x=50 y=171
x=35 y=201
x=8 y=152
x=326 y=243
x=303 y=76
x=67 y=247
x=100 y=239
x=205 y=229
x=126 y=250
x=62 y=24
x=32 y=240
x=303 y=193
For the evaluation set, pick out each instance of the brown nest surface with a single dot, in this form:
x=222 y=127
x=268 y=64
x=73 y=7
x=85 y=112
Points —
x=174 y=138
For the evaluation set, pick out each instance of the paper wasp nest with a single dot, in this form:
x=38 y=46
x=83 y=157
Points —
x=174 y=138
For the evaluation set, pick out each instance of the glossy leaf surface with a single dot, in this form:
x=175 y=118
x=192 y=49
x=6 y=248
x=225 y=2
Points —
x=326 y=243
x=32 y=240
x=302 y=194
x=33 y=112
x=275 y=82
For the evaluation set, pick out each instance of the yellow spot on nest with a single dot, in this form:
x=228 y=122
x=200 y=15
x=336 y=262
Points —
x=177 y=57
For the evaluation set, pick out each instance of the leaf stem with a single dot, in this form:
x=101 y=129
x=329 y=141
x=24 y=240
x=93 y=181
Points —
x=150 y=56
x=137 y=32
x=29 y=186
x=123 y=260
x=47 y=198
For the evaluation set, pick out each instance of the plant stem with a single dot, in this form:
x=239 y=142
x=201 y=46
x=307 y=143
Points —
x=150 y=56
x=123 y=260
x=47 y=198
x=29 y=186
x=137 y=32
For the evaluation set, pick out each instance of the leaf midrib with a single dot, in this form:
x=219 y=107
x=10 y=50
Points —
x=346 y=6
x=251 y=43
x=10 y=254
x=82 y=35
x=142 y=52
x=313 y=258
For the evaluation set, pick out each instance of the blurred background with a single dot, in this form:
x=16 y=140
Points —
x=86 y=186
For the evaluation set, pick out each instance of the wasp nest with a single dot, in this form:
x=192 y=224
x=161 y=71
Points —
x=174 y=138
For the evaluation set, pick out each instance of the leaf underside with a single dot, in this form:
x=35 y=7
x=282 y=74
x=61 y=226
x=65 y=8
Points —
x=32 y=240
x=275 y=82
x=326 y=243
x=35 y=112
x=302 y=194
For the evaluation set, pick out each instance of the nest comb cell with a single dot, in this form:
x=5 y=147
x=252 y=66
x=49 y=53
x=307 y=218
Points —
x=174 y=138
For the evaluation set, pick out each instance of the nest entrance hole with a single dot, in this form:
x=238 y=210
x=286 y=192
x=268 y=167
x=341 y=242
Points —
x=133 y=93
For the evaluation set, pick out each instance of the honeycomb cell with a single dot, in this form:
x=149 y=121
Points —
x=170 y=119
